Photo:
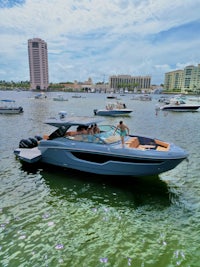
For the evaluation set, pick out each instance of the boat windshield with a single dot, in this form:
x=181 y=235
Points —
x=106 y=135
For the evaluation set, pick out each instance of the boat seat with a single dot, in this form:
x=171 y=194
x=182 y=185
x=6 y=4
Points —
x=133 y=142
x=162 y=146
x=71 y=133
x=112 y=139
x=130 y=140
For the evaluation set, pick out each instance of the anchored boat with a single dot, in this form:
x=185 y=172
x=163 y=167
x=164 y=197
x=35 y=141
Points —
x=71 y=146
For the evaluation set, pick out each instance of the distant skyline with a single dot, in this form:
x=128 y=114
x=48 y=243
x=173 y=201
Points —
x=97 y=39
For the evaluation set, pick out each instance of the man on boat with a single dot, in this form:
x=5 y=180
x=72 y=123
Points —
x=124 y=130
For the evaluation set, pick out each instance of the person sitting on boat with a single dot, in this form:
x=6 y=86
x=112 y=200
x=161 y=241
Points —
x=96 y=129
x=124 y=130
x=90 y=129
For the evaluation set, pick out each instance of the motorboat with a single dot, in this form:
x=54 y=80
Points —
x=40 y=96
x=113 y=109
x=8 y=106
x=70 y=147
x=111 y=96
x=178 y=104
x=164 y=99
x=143 y=97
x=60 y=97
x=76 y=96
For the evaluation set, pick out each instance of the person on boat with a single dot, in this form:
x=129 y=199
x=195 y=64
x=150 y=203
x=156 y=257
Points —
x=124 y=130
x=90 y=129
x=96 y=129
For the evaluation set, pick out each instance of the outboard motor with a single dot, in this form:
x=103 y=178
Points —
x=30 y=142
x=34 y=141
x=38 y=137
x=25 y=143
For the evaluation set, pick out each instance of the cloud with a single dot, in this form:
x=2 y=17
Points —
x=92 y=38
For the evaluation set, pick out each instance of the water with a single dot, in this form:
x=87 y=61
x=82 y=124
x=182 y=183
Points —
x=55 y=217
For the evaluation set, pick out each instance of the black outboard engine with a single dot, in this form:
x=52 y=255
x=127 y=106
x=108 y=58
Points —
x=30 y=142
x=25 y=143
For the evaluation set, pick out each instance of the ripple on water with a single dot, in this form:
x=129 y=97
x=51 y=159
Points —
x=54 y=218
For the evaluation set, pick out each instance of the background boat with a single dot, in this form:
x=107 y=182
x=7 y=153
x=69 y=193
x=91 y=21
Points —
x=178 y=104
x=40 y=96
x=8 y=106
x=60 y=97
x=113 y=109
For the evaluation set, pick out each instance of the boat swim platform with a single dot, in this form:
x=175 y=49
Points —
x=30 y=155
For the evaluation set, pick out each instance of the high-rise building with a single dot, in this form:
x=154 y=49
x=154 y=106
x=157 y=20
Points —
x=38 y=64
x=186 y=80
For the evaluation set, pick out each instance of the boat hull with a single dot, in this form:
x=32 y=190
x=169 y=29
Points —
x=66 y=159
x=112 y=162
x=112 y=113
x=180 y=108
x=11 y=110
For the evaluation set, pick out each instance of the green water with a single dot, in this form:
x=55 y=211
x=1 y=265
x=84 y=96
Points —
x=55 y=217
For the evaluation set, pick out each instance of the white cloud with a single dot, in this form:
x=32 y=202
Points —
x=92 y=38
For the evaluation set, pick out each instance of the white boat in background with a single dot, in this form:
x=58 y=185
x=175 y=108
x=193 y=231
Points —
x=143 y=97
x=76 y=96
x=113 y=109
x=40 y=96
x=178 y=104
x=111 y=96
x=60 y=97
x=8 y=106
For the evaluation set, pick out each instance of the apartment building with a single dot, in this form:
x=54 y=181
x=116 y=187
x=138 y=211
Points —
x=38 y=64
x=185 y=81
x=130 y=82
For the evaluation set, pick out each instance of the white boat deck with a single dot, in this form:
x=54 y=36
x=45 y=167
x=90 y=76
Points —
x=29 y=155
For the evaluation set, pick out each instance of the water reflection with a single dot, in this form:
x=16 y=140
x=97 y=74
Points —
x=117 y=191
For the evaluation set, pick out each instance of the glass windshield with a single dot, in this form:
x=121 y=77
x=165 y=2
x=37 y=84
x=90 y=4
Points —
x=106 y=135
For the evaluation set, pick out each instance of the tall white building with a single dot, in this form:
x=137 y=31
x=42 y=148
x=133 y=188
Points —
x=186 y=80
x=38 y=64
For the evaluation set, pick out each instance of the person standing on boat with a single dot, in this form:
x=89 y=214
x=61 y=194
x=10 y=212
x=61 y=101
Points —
x=124 y=130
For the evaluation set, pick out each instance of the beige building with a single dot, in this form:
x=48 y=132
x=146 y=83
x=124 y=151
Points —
x=173 y=80
x=130 y=82
x=185 y=81
x=38 y=64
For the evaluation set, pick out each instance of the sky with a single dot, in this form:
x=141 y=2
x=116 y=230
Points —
x=99 y=38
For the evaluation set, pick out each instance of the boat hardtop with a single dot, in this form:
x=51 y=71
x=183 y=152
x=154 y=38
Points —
x=69 y=121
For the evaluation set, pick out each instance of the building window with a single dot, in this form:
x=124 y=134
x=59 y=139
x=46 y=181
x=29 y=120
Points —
x=35 y=44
